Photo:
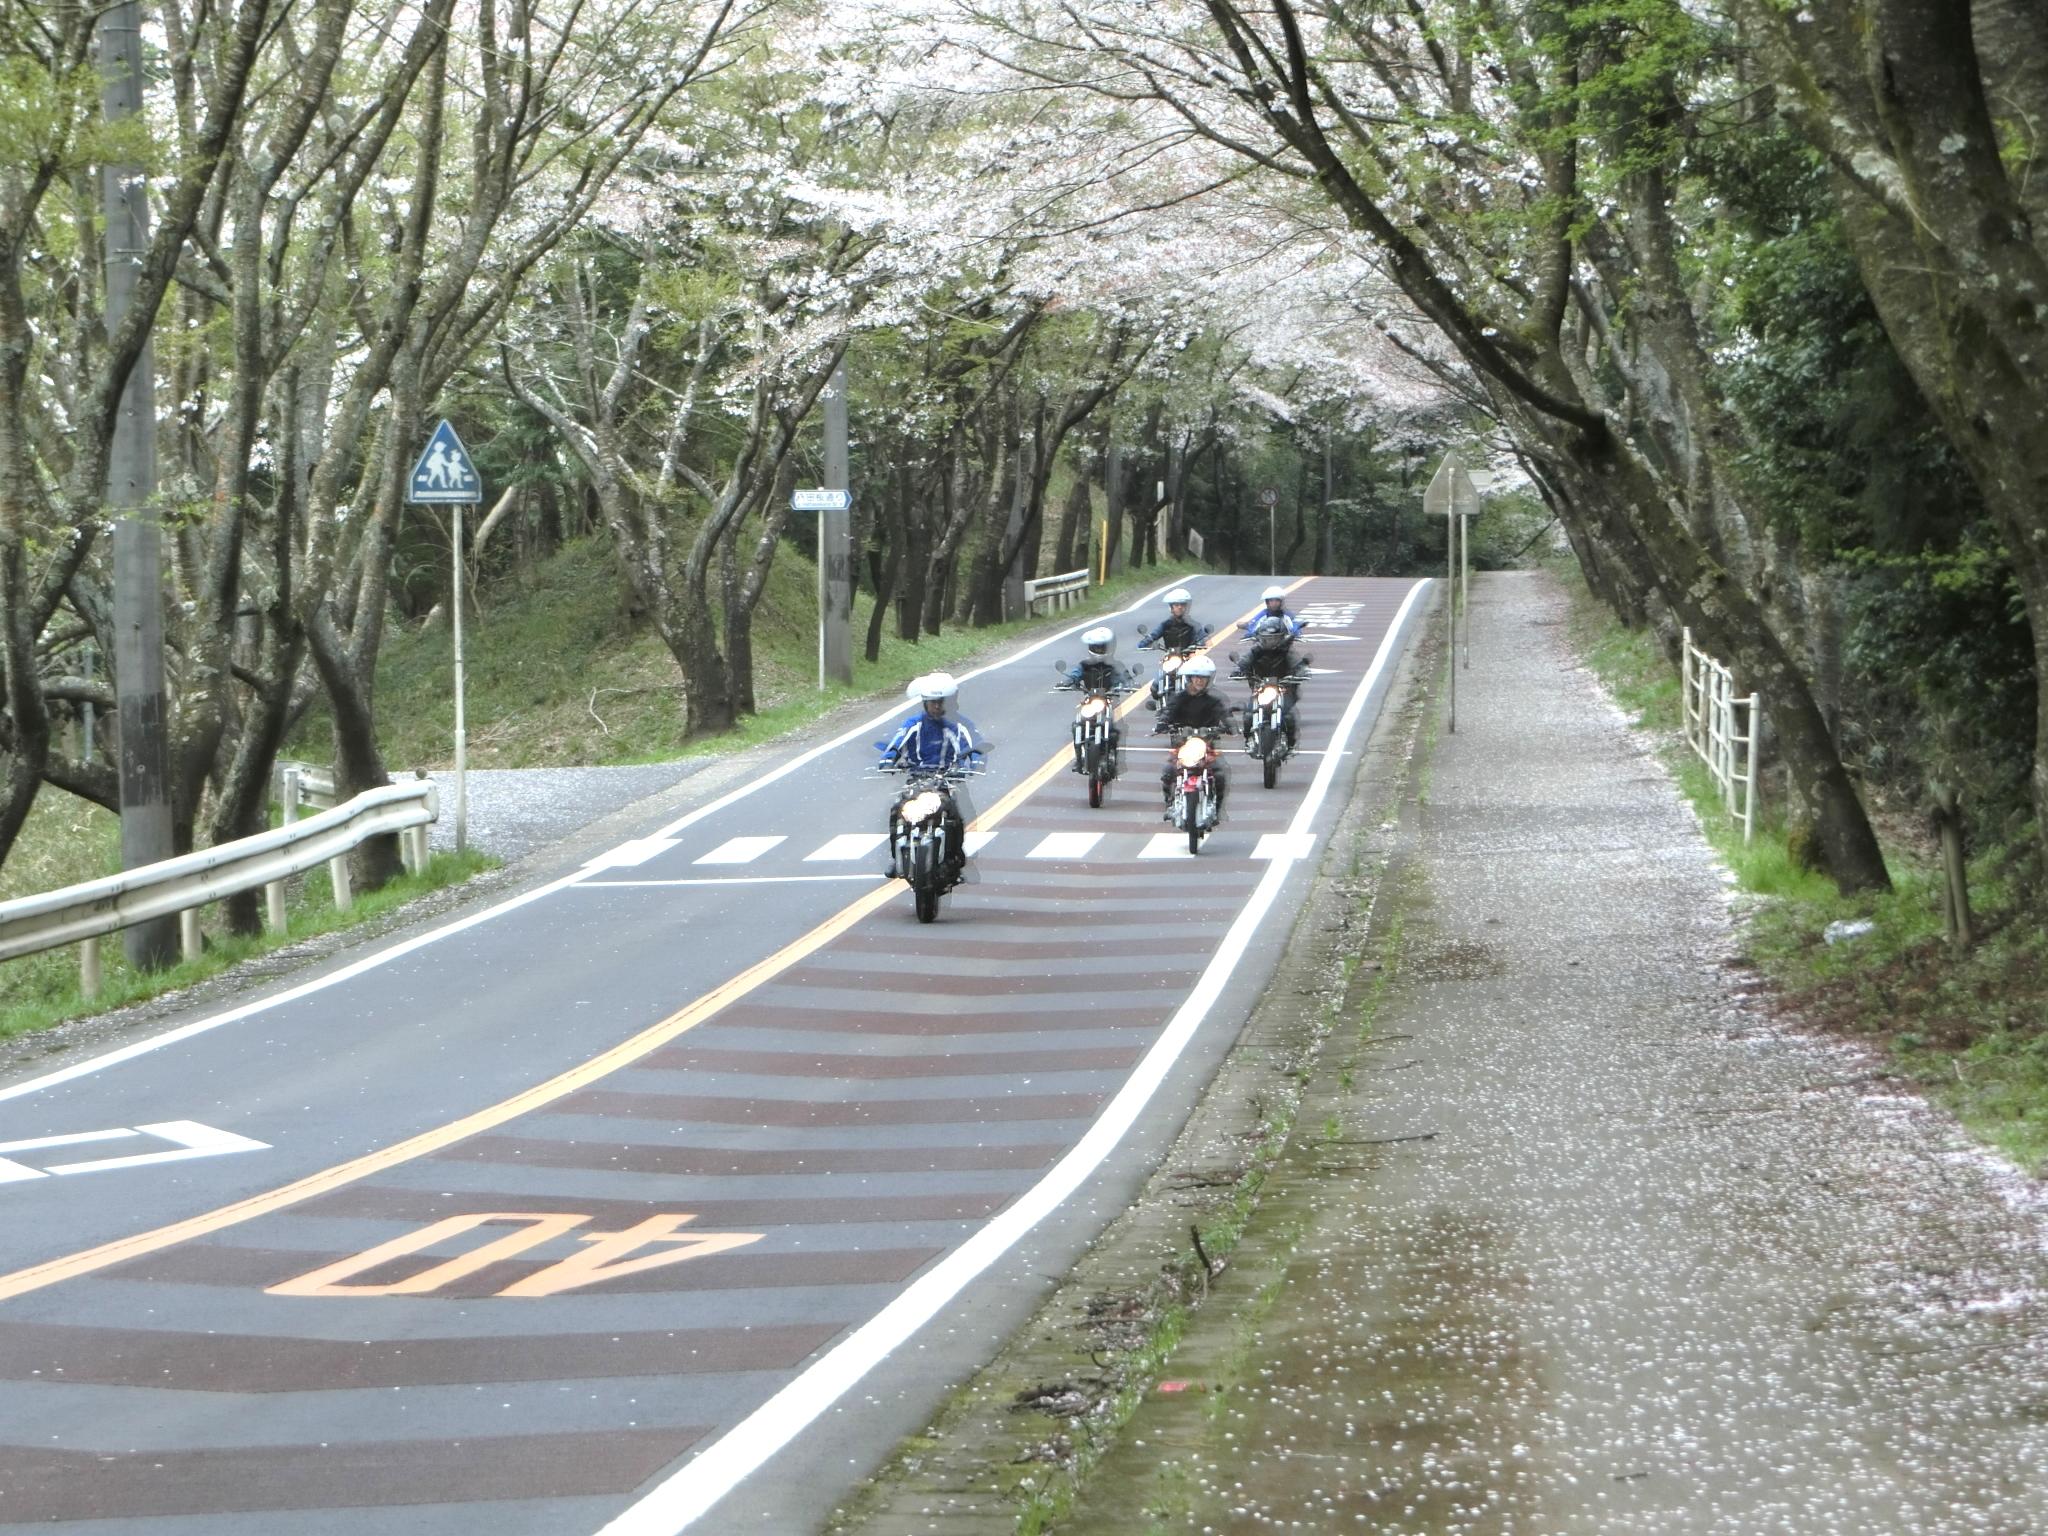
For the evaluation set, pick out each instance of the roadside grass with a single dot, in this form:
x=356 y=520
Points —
x=69 y=845
x=1970 y=1029
x=1044 y=1500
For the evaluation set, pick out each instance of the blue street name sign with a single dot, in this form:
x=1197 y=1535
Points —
x=444 y=473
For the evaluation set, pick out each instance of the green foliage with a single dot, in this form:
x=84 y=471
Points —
x=1850 y=467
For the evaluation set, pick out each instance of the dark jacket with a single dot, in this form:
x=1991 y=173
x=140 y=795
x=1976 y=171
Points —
x=1176 y=635
x=1195 y=711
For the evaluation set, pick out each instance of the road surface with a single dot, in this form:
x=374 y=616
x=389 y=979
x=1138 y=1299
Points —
x=673 y=1191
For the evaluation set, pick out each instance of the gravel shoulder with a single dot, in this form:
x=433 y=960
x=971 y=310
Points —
x=1570 y=1234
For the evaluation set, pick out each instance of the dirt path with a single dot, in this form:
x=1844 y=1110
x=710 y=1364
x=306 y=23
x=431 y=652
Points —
x=1583 y=1241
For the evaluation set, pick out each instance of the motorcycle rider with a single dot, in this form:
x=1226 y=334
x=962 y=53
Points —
x=1275 y=599
x=1176 y=632
x=1194 y=708
x=1097 y=672
x=928 y=740
x=1272 y=659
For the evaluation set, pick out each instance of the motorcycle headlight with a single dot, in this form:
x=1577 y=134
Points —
x=921 y=807
x=1192 y=752
x=1090 y=708
x=1268 y=696
x=1171 y=663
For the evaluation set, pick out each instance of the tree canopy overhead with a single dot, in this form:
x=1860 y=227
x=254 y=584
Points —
x=1753 y=298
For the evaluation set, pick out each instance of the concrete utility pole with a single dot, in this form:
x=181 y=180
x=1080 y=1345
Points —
x=1109 y=560
x=1451 y=496
x=145 y=761
x=835 y=545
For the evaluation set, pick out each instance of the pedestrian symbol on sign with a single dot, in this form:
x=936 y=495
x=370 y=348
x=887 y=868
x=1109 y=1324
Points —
x=443 y=473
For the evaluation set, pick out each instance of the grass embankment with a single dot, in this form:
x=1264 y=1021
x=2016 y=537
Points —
x=1970 y=1028
x=558 y=673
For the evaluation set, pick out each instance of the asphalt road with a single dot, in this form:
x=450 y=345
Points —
x=671 y=1192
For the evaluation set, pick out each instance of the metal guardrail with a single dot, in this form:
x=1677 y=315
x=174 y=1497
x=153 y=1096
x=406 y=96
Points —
x=83 y=914
x=295 y=784
x=1055 y=592
x=1723 y=729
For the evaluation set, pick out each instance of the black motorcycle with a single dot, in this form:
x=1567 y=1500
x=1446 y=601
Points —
x=1267 y=737
x=1097 y=757
x=1171 y=660
x=925 y=820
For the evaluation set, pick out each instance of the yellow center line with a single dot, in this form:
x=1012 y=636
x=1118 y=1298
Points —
x=37 y=1276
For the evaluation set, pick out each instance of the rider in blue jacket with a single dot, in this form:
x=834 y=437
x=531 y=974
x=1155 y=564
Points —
x=930 y=741
x=1275 y=607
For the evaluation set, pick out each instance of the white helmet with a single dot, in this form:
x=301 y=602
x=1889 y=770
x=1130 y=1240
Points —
x=1179 y=595
x=1100 y=640
x=1272 y=592
x=1198 y=666
x=934 y=685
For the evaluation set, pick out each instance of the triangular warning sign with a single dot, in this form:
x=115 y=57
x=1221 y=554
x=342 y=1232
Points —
x=443 y=472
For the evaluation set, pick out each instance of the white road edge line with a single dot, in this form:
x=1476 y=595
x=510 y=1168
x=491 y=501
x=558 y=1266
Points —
x=691 y=1491
x=398 y=951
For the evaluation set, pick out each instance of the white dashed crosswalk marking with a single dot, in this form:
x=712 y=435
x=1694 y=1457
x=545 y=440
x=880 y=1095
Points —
x=630 y=855
x=1064 y=845
x=1285 y=845
x=848 y=845
x=1113 y=847
x=741 y=850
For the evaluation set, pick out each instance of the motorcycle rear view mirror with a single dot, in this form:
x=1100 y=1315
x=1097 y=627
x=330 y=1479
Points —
x=1059 y=666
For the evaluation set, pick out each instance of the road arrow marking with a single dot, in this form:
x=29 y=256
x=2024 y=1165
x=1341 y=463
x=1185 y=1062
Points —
x=190 y=1139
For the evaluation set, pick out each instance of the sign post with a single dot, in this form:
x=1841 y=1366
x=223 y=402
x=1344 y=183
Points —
x=1452 y=496
x=832 y=506
x=1270 y=499
x=444 y=475
x=835 y=544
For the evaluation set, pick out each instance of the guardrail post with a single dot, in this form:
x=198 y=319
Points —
x=188 y=933
x=1685 y=707
x=291 y=795
x=89 y=969
x=1756 y=708
x=273 y=906
x=344 y=893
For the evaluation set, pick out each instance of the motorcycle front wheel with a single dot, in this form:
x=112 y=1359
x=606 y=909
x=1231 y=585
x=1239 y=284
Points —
x=927 y=905
x=1272 y=767
x=1096 y=785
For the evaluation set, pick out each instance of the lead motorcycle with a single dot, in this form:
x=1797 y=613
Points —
x=1197 y=802
x=928 y=805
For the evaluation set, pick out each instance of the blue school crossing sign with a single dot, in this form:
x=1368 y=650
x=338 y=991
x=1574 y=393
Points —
x=444 y=473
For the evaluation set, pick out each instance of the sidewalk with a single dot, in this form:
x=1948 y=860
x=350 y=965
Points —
x=1589 y=1243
